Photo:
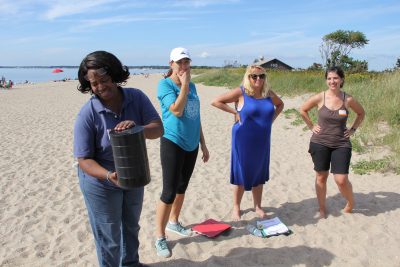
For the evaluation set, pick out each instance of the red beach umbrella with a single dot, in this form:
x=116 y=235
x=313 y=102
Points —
x=57 y=70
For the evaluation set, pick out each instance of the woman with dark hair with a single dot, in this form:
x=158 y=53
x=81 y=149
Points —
x=256 y=108
x=180 y=107
x=330 y=145
x=113 y=212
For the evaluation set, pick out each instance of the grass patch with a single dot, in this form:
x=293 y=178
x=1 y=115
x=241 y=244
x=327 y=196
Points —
x=224 y=77
x=293 y=113
x=357 y=146
x=365 y=167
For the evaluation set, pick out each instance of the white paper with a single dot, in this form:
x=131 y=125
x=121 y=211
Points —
x=272 y=226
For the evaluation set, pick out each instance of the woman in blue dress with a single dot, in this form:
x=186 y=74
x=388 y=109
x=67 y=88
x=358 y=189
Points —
x=256 y=107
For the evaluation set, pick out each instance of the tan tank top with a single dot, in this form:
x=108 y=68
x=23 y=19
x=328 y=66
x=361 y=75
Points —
x=333 y=125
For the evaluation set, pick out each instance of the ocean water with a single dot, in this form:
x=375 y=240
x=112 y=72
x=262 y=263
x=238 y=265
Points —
x=21 y=75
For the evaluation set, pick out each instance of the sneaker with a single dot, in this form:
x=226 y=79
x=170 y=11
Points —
x=162 y=248
x=179 y=229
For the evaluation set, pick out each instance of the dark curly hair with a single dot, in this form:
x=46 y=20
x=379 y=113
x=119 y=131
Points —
x=338 y=71
x=101 y=59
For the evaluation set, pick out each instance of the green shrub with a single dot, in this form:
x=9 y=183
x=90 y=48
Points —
x=293 y=114
x=365 y=167
x=357 y=146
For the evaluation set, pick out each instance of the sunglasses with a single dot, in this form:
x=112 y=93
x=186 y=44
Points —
x=255 y=76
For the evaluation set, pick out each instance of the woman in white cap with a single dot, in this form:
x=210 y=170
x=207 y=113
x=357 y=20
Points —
x=180 y=107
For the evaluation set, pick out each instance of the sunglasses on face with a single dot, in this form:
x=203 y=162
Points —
x=259 y=76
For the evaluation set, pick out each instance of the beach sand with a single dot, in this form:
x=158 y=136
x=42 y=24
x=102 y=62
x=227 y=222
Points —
x=44 y=222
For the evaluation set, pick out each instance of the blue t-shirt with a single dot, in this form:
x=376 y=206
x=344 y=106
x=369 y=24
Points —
x=185 y=130
x=94 y=121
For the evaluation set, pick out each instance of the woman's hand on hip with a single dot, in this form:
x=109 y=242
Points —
x=316 y=129
x=237 y=118
x=349 y=132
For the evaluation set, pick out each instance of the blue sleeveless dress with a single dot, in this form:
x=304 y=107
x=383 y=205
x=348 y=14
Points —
x=251 y=141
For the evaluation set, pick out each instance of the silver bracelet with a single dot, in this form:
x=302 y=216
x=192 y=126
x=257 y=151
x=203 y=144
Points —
x=108 y=176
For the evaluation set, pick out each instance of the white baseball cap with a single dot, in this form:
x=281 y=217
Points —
x=179 y=53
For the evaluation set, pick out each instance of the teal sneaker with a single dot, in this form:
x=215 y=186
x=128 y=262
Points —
x=162 y=248
x=179 y=229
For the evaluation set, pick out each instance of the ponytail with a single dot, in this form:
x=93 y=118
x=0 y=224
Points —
x=168 y=73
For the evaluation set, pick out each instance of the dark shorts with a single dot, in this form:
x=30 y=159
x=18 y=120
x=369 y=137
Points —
x=337 y=158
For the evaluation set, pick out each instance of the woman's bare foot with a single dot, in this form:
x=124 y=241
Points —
x=322 y=214
x=236 y=214
x=348 y=208
x=260 y=212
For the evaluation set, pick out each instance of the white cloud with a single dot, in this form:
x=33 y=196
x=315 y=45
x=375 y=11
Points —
x=294 y=48
x=201 y=3
x=204 y=55
x=86 y=24
x=72 y=7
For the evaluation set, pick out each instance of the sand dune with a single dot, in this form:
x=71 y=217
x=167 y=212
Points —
x=43 y=220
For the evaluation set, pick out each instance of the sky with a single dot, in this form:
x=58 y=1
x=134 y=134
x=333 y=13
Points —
x=216 y=32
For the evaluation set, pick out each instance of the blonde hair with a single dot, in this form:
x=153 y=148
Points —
x=247 y=85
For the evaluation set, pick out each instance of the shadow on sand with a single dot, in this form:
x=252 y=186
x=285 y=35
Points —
x=300 y=255
x=303 y=213
x=299 y=213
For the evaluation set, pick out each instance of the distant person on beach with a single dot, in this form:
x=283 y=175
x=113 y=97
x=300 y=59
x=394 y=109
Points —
x=180 y=107
x=256 y=108
x=114 y=213
x=330 y=144
x=8 y=84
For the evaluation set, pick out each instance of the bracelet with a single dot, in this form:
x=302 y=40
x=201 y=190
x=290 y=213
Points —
x=354 y=129
x=108 y=176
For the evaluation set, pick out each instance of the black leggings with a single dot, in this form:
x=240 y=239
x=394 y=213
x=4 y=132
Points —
x=177 y=168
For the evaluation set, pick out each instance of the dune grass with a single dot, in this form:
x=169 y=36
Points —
x=378 y=93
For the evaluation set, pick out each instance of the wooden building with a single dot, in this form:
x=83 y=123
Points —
x=273 y=64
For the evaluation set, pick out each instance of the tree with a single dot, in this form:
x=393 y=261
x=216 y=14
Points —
x=398 y=63
x=336 y=46
x=231 y=64
x=315 y=66
x=351 y=65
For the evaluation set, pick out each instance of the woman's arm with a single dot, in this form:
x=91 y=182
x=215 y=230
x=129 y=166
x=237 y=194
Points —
x=178 y=106
x=154 y=129
x=359 y=110
x=307 y=106
x=91 y=167
x=278 y=103
x=222 y=101
x=204 y=149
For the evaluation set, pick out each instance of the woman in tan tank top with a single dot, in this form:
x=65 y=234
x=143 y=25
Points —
x=330 y=145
